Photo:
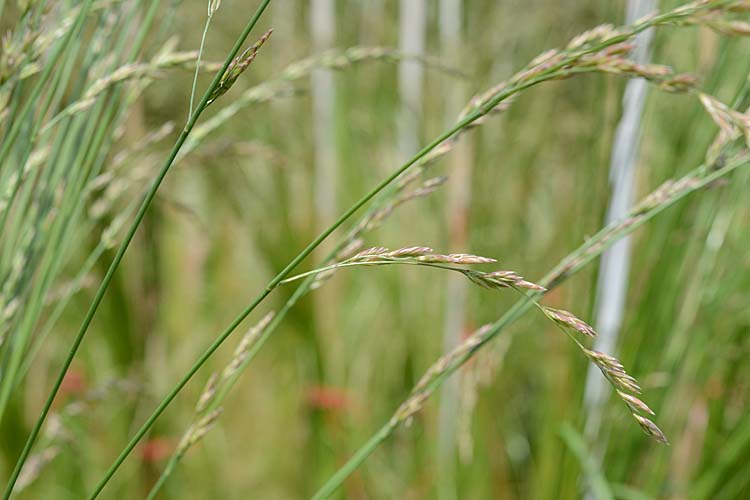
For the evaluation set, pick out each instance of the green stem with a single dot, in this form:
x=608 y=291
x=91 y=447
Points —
x=198 y=65
x=173 y=461
x=352 y=464
x=121 y=252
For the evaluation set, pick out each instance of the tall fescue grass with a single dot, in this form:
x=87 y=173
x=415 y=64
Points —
x=86 y=88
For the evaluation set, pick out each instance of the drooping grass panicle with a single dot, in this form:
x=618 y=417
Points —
x=419 y=255
x=735 y=155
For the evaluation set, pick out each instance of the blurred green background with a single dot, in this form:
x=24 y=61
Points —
x=241 y=205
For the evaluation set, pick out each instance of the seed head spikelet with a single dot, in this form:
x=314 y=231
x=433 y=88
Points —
x=651 y=429
x=237 y=66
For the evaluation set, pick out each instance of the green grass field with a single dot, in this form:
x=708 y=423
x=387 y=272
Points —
x=93 y=96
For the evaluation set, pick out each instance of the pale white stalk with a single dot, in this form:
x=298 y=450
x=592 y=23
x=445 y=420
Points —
x=325 y=168
x=213 y=6
x=613 y=273
x=412 y=28
x=322 y=26
x=459 y=194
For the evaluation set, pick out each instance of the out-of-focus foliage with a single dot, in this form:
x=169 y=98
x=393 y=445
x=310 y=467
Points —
x=240 y=205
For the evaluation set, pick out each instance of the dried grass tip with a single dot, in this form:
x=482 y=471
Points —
x=569 y=320
x=651 y=429
x=455 y=258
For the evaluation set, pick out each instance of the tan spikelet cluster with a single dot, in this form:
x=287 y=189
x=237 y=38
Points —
x=455 y=258
x=209 y=391
x=400 y=196
x=242 y=351
x=624 y=384
x=425 y=386
x=732 y=125
x=213 y=6
x=722 y=19
x=568 y=321
x=502 y=279
x=14 y=55
x=206 y=409
x=34 y=466
x=238 y=65
x=614 y=60
x=596 y=34
x=625 y=387
x=197 y=431
x=426 y=256
x=419 y=254
x=346 y=252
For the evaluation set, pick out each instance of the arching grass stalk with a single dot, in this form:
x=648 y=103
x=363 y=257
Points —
x=148 y=198
x=665 y=196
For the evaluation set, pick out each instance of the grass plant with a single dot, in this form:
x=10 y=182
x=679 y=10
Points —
x=84 y=90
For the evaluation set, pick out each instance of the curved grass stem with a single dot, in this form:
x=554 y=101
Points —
x=198 y=65
x=568 y=266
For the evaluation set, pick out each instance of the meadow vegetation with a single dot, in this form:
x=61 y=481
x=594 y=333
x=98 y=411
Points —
x=226 y=272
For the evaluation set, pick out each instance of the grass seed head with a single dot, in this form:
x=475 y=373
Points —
x=208 y=393
x=569 y=320
x=651 y=429
x=597 y=34
x=410 y=252
x=369 y=254
x=455 y=258
x=213 y=6
x=197 y=431
x=635 y=404
x=238 y=65
x=625 y=382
